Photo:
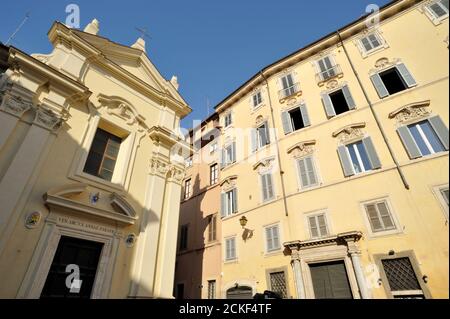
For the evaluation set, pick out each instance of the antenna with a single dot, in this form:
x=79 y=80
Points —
x=27 y=15
x=143 y=32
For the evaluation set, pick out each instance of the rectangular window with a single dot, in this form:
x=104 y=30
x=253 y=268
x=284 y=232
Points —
x=102 y=156
x=184 y=237
x=262 y=134
x=338 y=102
x=257 y=99
x=187 y=188
x=229 y=203
x=318 y=226
x=439 y=8
x=212 y=228
x=327 y=69
x=423 y=138
x=278 y=283
x=272 y=238
x=228 y=119
x=228 y=155
x=426 y=138
x=288 y=87
x=213 y=174
x=393 y=80
x=359 y=158
x=211 y=289
x=213 y=148
x=444 y=194
x=379 y=216
x=307 y=172
x=402 y=278
x=267 y=187
x=295 y=119
x=230 y=248
x=371 y=42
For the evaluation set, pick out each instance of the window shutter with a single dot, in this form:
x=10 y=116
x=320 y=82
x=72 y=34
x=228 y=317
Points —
x=373 y=218
x=329 y=109
x=385 y=216
x=303 y=173
x=264 y=187
x=269 y=186
x=311 y=172
x=285 y=118
x=222 y=158
x=407 y=77
x=313 y=227
x=253 y=140
x=322 y=225
x=233 y=248
x=305 y=115
x=233 y=152
x=275 y=238
x=379 y=86
x=266 y=128
x=269 y=238
x=346 y=163
x=348 y=97
x=440 y=129
x=371 y=153
x=367 y=45
x=223 y=205
x=235 y=207
x=408 y=142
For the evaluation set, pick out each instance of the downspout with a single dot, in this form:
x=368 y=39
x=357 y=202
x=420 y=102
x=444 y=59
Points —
x=377 y=120
x=283 y=189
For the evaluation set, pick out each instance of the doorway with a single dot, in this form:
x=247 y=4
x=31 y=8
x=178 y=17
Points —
x=330 y=280
x=72 y=251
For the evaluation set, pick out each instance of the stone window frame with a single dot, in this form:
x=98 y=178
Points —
x=236 y=257
x=323 y=211
x=372 y=235
x=262 y=167
x=437 y=193
x=425 y=9
x=378 y=34
x=280 y=236
x=415 y=264
x=283 y=269
x=302 y=150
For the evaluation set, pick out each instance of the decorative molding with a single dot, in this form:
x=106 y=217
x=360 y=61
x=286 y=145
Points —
x=384 y=63
x=228 y=183
x=350 y=132
x=302 y=148
x=123 y=109
x=15 y=105
x=176 y=174
x=411 y=112
x=332 y=84
x=122 y=205
x=260 y=120
x=264 y=164
x=47 y=119
x=159 y=166
x=339 y=239
x=32 y=220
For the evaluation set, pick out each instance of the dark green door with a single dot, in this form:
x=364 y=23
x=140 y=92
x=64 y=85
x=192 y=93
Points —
x=83 y=253
x=330 y=281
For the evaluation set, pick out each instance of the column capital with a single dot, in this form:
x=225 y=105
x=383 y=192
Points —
x=48 y=119
x=176 y=174
x=14 y=103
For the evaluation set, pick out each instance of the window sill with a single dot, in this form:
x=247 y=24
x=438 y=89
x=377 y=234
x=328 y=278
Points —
x=388 y=233
x=98 y=182
x=231 y=261
x=272 y=253
x=366 y=54
x=229 y=216
x=256 y=108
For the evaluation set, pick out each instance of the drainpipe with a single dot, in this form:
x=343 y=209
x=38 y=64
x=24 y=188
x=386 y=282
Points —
x=283 y=189
x=377 y=120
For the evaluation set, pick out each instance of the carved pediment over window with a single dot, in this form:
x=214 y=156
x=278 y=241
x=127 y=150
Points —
x=350 y=132
x=121 y=108
x=302 y=149
x=264 y=164
x=332 y=84
x=228 y=183
x=80 y=199
x=259 y=120
x=384 y=63
x=411 y=112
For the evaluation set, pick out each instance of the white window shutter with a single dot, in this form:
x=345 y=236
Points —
x=223 y=205
x=286 y=121
x=323 y=231
x=348 y=97
x=311 y=171
x=253 y=140
x=374 y=220
x=235 y=206
x=346 y=162
x=440 y=129
x=305 y=115
x=303 y=173
x=379 y=85
x=407 y=76
x=329 y=109
x=408 y=141
x=269 y=186
x=264 y=187
x=313 y=226
x=233 y=152
x=371 y=153
x=385 y=215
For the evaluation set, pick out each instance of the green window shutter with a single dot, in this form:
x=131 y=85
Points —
x=313 y=226
x=374 y=220
x=286 y=121
x=408 y=141
x=305 y=115
x=371 y=153
x=348 y=97
x=440 y=129
x=346 y=162
x=379 y=85
x=407 y=77
x=329 y=109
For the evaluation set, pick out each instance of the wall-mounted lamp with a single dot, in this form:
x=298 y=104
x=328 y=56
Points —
x=243 y=221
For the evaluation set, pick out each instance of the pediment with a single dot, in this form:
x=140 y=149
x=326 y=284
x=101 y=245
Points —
x=80 y=198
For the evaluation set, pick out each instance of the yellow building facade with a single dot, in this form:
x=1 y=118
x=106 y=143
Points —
x=90 y=170
x=334 y=165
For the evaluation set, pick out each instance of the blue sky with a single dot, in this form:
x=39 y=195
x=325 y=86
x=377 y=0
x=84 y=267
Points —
x=212 y=46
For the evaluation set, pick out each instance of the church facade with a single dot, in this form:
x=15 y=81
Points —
x=90 y=170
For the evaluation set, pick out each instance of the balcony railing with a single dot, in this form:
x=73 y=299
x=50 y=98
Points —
x=287 y=92
x=329 y=73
